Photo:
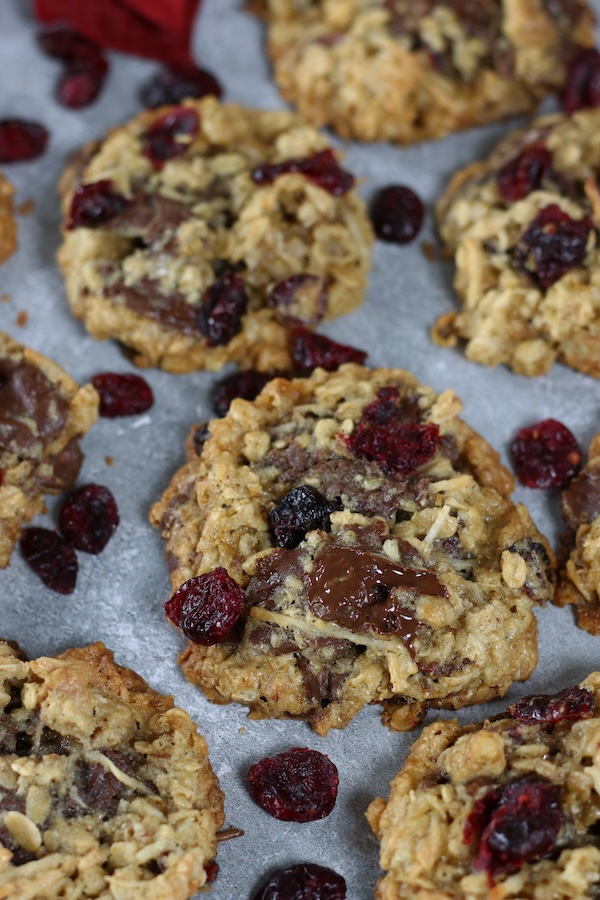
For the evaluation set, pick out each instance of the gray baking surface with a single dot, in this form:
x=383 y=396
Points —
x=120 y=593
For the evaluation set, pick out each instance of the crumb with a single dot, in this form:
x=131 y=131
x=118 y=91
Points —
x=5 y=298
x=22 y=318
x=428 y=251
x=26 y=208
x=108 y=460
x=243 y=730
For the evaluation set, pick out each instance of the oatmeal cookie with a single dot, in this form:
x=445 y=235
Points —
x=523 y=229
x=106 y=789
x=43 y=415
x=406 y=70
x=380 y=556
x=197 y=234
x=579 y=581
x=505 y=809
x=8 y=224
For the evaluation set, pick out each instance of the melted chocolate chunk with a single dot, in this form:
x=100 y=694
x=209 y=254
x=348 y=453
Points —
x=31 y=407
x=147 y=299
x=580 y=502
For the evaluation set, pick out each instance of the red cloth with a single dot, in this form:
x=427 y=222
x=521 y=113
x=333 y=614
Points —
x=160 y=29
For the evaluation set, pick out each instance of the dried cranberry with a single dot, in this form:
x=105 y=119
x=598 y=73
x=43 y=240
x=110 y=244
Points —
x=212 y=870
x=299 y=785
x=304 y=881
x=570 y=705
x=170 y=135
x=67 y=45
x=173 y=84
x=51 y=557
x=81 y=82
x=207 y=607
x=94 y=205
x=310 y=350
x=223 y=305
x=322 y=168
x=21 y=140
x=89 y=517
x=299 y=511
x=299 y=299
x=555 y=242
x=397 y=214
x=582 y=84
x=524 y=173
x=545 y=455
x=246 y=384
x=122 y=394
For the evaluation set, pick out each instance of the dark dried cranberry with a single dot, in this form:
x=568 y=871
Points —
x=310 y=350
x=552 y=245
x=223 y=305
x=170 y=135
x=122 y=394
x=89 y=518
x=322 y=168
x=246 y=384
x=81 y=82
x=582 y=84
x=299 y=299
x=570 y=705
x=299 y=511
x=21 y=140
x=299 y=785
x=524 y=173
x=94 y=205
x=51 y=557
x=67 y=45
x=397 y=214
x=545 y=455
x=304 y=881
x=207 y=607
x=173 y=84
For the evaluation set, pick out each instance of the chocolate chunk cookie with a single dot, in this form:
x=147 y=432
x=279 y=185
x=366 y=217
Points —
x=508 y=808
x=523 y=228
x=380 y=556
x=43 y=415
x=198 y=234
x=406 y=70
x=106 y=789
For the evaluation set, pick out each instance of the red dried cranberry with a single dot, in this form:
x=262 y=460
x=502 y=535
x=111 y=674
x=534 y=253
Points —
x=94 y=205
x=310 y=350
x=170 y=135
x=524 y=173
x=299 y=785
x=81 y=82
x=173 y=84
x=51 y=557
x=397 y=214
x=246 y=384
x=299 y=511
x=556 y=242
x=582 y=84
x=67 y=45
x=322 y=168
x=304 y=881
x=89 y=518
x=570 y=705
x=21 y=140
x=122 y=394
x=223 y=305
x=545 y=455
x=207 y=607
x=212 y=870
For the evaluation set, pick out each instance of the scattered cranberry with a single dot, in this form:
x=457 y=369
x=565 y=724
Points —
x=122 y=394
x=524 y=173
x=570 y=705
x=81 y=82
x=545 y=455
x=299 y=785
x=170 y=135
x=51 y=557
x=67 y=45
x=310 y=350
x=582 y=85
x=21 y=140
x=89 y=518
x=299 y=511
x=246 y=384
x=397 y=214
x=321 y=167
x=173 y=84
x=304 y=881
x=94 y=205
x=223 y=305
x=207 y=607
x=556 y=242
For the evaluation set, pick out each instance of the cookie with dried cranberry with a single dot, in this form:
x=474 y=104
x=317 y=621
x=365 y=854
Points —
x=43 y=415
x=404 y=71
x=346 y=539
x=199 y=234
x=506 y=808
x=522 y=226
x=8 y=223
x=106 y=789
